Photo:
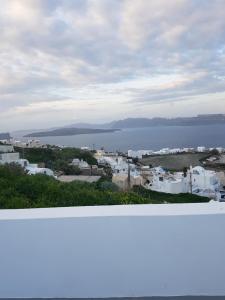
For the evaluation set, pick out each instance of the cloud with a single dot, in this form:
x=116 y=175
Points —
x=63 y=56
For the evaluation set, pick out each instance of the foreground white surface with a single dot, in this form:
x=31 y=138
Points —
x=113 y=251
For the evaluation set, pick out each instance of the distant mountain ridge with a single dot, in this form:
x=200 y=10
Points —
x=146 y=122
x=85 y=128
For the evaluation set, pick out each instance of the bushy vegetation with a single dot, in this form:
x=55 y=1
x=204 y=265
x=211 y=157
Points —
x=55 y=158
x=168 y=198
x=19 y=190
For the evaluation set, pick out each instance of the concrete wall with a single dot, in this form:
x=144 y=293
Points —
x=6 y=148
x=149 y=250
x=9 y=157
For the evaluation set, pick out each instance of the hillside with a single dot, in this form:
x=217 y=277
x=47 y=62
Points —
x=18 y=190
x=68 y=131
x=175 y=162
x=188 y=121
x=149 y=122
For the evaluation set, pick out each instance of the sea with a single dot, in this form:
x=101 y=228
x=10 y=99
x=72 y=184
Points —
x=150 y=138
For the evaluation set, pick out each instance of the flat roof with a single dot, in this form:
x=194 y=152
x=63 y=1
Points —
x=209 y=208
x=71 y=178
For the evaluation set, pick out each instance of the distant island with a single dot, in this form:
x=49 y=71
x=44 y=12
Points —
x=68 y=131
x=209 y=119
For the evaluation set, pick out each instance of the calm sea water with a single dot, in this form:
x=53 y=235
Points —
x=153 y=138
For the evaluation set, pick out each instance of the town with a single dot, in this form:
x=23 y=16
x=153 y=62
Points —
x=197 y=171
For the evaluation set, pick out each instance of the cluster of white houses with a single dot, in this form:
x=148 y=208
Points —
x=30 y=143
x=8 y=156
x=126 y=174
x=87 y=169
x=140 y=153
x=196 y=180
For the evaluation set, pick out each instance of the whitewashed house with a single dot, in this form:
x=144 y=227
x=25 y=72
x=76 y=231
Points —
x=186 y=149
x=80 y=163
x=204 y=182
x=33 y=170
x=134 y=154
x=6 y=148
x=118 y=164
x=34 y=144
x=163 y=151
x=201 y=149
x=139 y=153
x=197 y=181
x=165 y=182
x=175 y=150
x=23 y=162
x=85 y=148
x=9 y=157
x=169 y=184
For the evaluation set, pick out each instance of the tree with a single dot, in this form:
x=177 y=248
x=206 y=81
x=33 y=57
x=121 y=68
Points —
x=109 y=186
x=214 y=152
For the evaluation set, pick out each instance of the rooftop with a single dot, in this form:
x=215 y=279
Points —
x=70 y=178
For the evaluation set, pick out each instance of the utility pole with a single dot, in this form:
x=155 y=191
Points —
x=128 y=178
x=191 y=179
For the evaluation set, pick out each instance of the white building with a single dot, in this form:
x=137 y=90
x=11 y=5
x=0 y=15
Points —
x=23 y=162
x=186 y=149
x=163 y=151
x=80 y=163
x=139 y=153
x=204 y=182
x=165 y=182
x=118 y=164
x=11 y=157
x=197 y=181
x=175 y=150
x=34 y=144
x=18 y=143
x=169 y=184
x=33 y=170
x=201 y=149
x=28 y=144
x=85 y=148
x=6 y=148
x=121 y=168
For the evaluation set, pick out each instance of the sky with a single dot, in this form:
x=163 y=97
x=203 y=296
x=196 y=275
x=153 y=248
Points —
x=102 y=60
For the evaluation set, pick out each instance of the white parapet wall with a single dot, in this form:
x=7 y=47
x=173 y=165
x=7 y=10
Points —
x=113 y=251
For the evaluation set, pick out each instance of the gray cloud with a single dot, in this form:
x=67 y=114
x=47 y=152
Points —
x=114 y=52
